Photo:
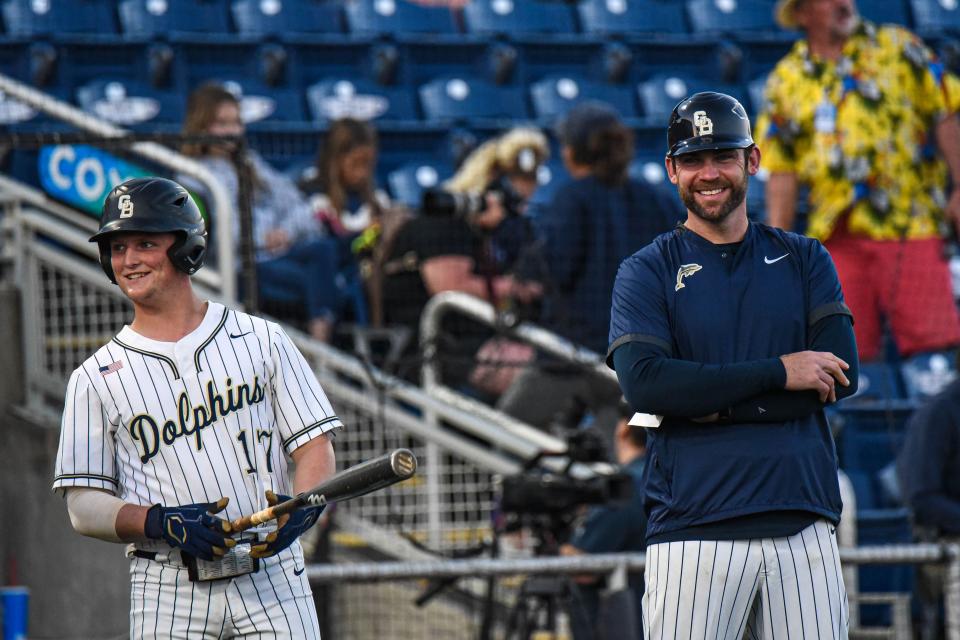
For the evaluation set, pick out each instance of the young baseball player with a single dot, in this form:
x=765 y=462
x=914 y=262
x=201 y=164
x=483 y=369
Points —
x=181 y=423
x=734 y=335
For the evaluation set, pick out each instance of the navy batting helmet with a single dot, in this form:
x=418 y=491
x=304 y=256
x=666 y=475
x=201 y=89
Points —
x=708 y=121
x=154 y=205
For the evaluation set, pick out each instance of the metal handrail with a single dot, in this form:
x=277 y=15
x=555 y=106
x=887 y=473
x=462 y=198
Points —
x=224 y=279
x=610 y=562
x=602 y=562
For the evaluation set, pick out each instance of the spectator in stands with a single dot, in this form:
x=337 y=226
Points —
x=929 y=474
x=616 y=527
x=296 y=263
x=855 y=113
x=592 y=224
x=449 y=248
x=344 y=195
x=342 y=187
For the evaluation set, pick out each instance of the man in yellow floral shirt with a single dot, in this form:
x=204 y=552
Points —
x=857 y=113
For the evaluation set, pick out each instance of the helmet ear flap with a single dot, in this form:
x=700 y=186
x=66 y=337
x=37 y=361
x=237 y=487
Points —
x=187 y=252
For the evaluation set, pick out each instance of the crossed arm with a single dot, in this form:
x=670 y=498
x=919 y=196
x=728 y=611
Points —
x=770 y=390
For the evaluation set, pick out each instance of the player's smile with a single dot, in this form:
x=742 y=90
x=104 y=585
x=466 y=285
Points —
x=714 y=194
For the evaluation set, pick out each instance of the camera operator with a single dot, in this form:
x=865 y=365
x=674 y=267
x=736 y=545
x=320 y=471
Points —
x=466 y=238
x=615 y=527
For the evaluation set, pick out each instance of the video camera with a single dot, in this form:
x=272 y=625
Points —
x=548 y=502
x=558 y=494
x=440 y=202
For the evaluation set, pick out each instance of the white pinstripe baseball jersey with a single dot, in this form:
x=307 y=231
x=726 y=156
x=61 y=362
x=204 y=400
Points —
x=191 y=421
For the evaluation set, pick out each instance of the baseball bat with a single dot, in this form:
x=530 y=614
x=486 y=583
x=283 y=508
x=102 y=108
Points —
x=355 y=481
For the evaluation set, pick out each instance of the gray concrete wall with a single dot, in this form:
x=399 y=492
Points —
x=79 y=587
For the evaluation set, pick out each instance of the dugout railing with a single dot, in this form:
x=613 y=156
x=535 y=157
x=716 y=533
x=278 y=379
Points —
x=945 y=554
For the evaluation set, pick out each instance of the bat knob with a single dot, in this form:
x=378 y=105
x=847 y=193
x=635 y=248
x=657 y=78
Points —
x=403 y=463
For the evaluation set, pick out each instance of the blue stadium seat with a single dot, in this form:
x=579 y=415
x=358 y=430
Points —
x=397 y=18
x=661 y=93
x=864 y=488
x=408 y=182
x=926 y=374
x=755 y=89
x=19 y=59
x=762 y=53
x=647 y=167
x=879 y=527
x=933 y=17
x=286 y=18
x=456 y=98
x=871 y=436
x=341 y=58
x=539 y=57
x=885 y=12
x=555 y=95
x=756 y=196
x=401 y=145
x=260 y=104
x=18 y=115
x=550 y=177
x=429 y=58
x=878 y=382
x=174 y=19
x=196 y=61
x=631 y=18
x=517 y=18
x=129 y=103
x=87 y=19
x=334 y=98
x=82 y=62
x=652 y=56
x=733 y=17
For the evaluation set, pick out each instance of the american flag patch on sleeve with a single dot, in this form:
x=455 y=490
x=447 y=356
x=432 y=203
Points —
x=110 y=368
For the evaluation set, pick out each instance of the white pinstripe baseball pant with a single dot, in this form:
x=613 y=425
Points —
x=765 y=588
x=275 y=602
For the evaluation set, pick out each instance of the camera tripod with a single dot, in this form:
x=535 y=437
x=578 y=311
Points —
x=537 y=614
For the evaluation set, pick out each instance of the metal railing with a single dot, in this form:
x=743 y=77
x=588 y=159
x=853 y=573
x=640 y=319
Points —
x=948 y=554
x=222 y=280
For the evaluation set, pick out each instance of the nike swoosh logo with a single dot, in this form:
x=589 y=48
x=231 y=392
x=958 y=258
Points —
x=240 y=335
x=769 y=261
x=297 y=572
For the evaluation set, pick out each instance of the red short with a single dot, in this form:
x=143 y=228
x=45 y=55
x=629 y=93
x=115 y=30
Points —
x=907 y=281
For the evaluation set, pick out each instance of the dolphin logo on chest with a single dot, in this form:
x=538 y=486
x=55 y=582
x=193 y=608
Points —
x=684 y=271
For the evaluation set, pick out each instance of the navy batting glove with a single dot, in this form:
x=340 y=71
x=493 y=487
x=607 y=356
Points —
x=191 y=527
x=290 y=527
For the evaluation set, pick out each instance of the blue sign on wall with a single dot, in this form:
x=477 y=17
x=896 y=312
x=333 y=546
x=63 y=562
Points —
x=82 y=175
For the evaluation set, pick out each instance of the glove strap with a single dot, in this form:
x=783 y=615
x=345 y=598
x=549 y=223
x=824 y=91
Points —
x=153 y=525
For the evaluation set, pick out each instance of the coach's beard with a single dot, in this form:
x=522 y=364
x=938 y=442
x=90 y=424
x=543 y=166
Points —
x=738 y=193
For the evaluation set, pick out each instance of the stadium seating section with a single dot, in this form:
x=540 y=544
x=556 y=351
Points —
x=301 y=63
